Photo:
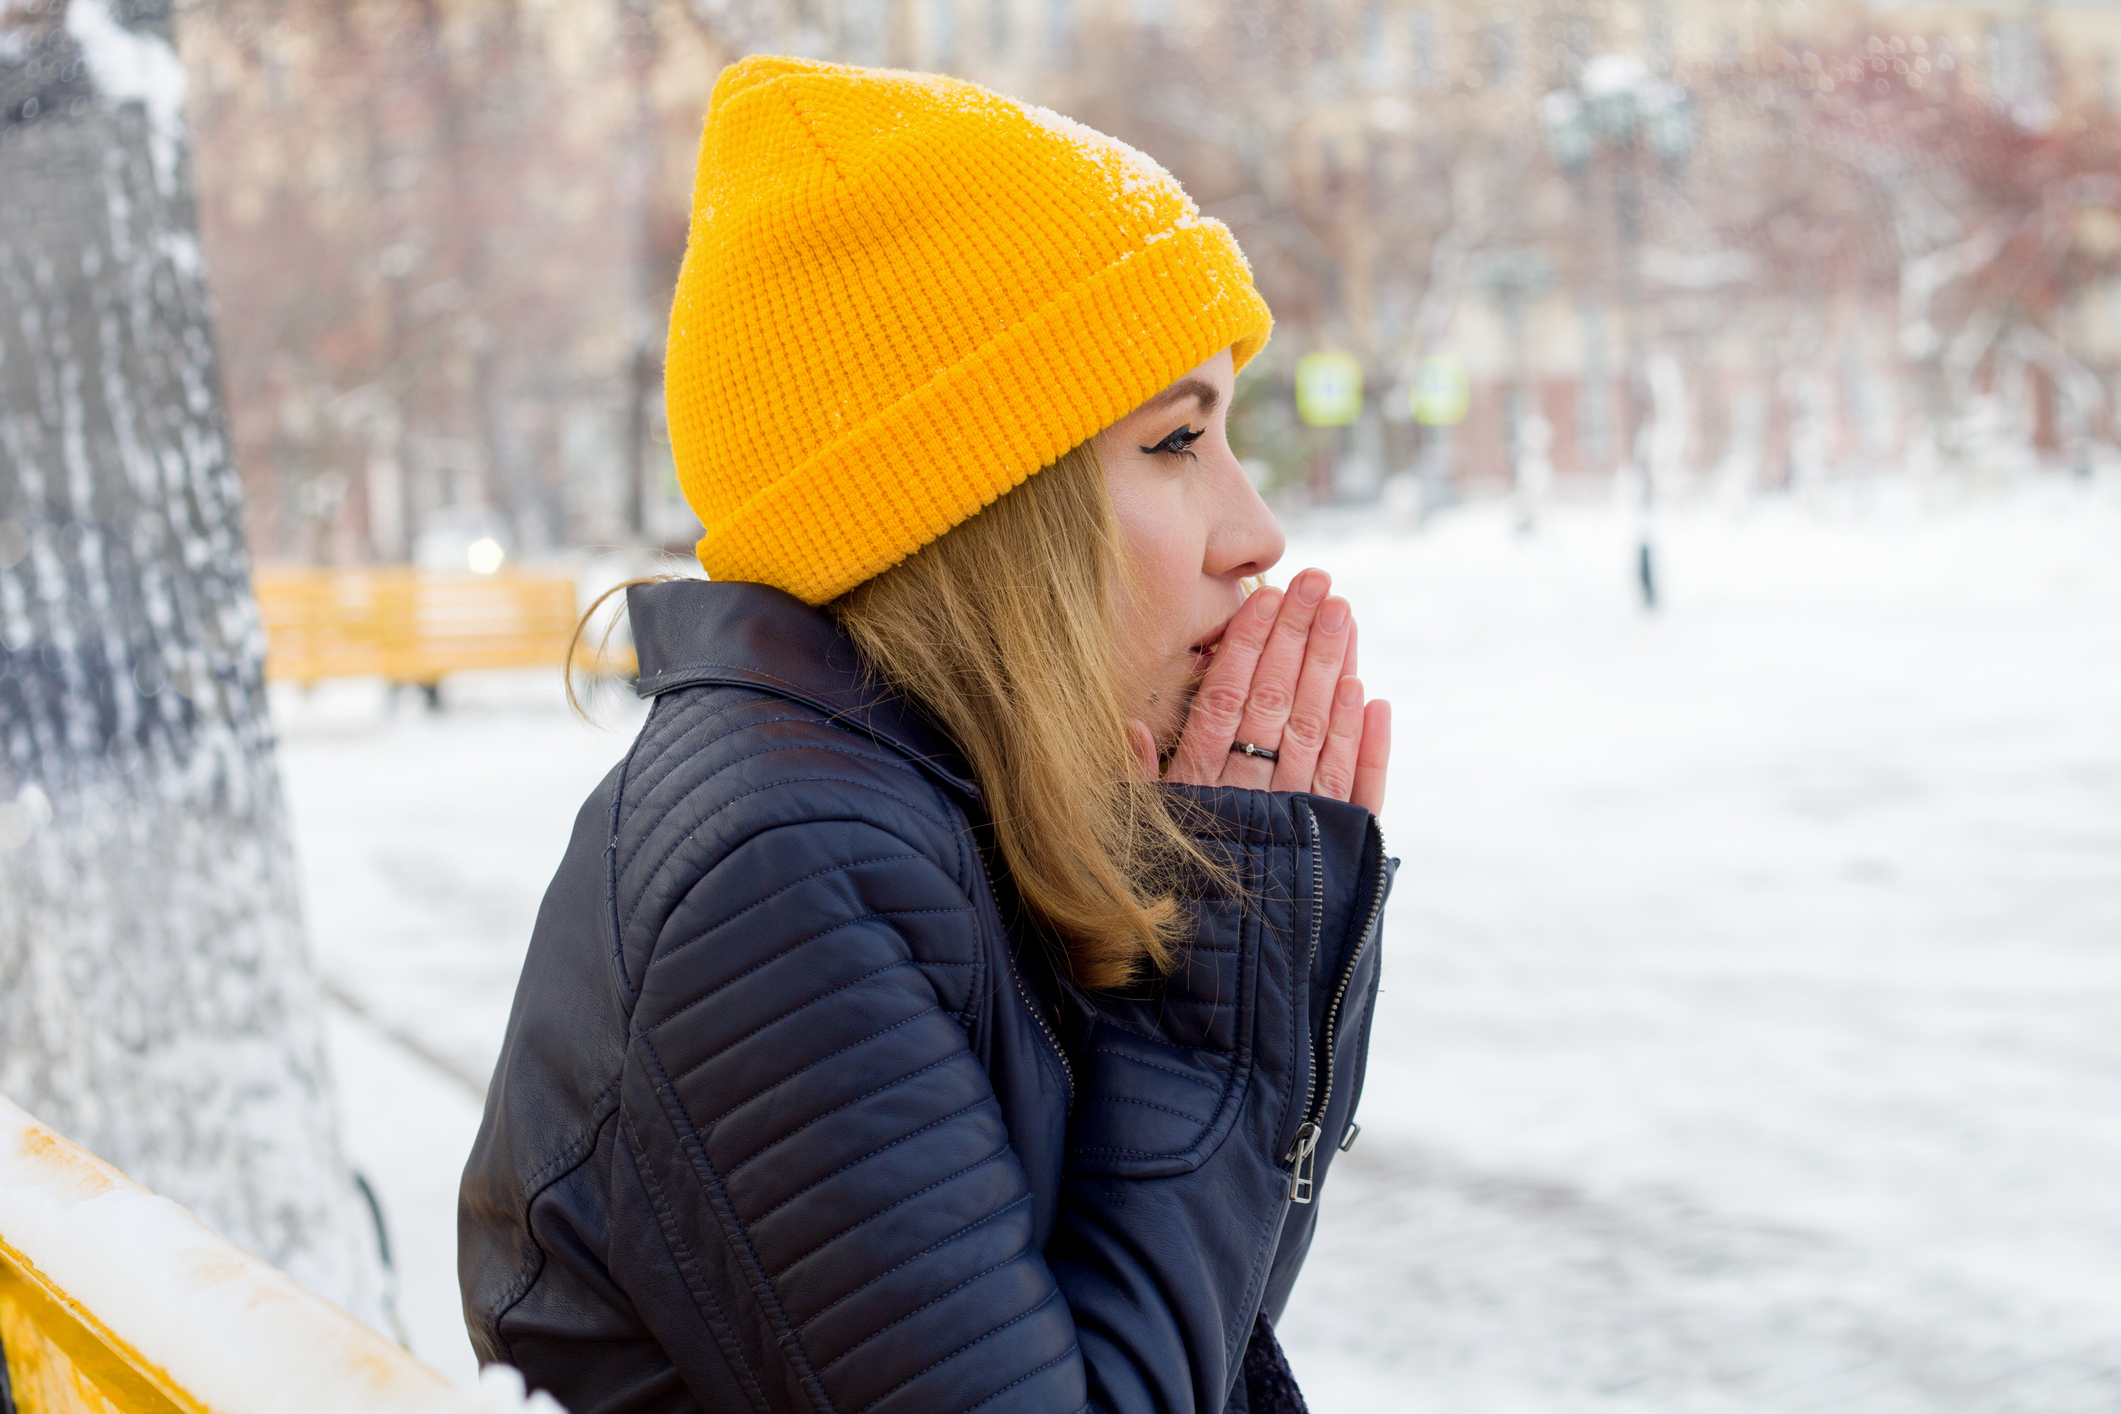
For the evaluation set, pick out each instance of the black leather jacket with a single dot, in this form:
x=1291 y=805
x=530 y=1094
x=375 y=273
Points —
x=792 y=1115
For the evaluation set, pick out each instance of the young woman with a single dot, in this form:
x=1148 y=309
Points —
x=954 y=999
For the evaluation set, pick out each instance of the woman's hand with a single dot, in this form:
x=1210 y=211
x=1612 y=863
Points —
x=1283 y=679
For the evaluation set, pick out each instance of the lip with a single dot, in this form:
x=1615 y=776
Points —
x=1201 y=651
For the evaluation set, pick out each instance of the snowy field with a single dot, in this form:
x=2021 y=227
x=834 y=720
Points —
x=1751 y=1034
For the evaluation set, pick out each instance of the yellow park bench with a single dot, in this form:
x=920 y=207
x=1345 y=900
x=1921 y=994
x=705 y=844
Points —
x=415 y=627
x=115 y=1301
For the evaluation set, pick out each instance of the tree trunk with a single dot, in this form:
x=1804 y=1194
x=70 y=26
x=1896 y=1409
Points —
x=157 y=1002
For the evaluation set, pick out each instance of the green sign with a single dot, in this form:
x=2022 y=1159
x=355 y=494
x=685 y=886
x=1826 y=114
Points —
x=1441 y=391
x=1328 y=389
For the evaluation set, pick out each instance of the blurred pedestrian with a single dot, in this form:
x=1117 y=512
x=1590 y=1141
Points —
x=953 y=1000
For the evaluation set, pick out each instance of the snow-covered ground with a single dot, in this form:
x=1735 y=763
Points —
x=1751 y=1036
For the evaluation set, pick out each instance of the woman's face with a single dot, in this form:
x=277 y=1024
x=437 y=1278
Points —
x=1193 y=527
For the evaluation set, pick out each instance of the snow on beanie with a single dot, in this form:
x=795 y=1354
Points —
x=903 y=295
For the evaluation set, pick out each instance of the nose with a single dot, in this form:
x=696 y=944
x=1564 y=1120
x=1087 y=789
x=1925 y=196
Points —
x=1244 y=539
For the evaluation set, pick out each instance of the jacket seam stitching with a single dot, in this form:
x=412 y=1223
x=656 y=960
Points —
x=901 y=1265
x=870 y=917
x=612 y=871
x=1012 y=1259
x=730 y=1174
x=1073 y=1348
x=888 y=1207
x=847 y=720
x=821 y=1060
x=881 y=1148
x=1216 y=1085
x=785 y=1339
x=694 y=829
x=696 y=1283
x=1050 y=1298
x=728 y=982
x=681 y=730
x=721 y=1051
x=1151 y=1104
x=784 y=749
x=832 y=744
x=1165 y=1040
x=811 y=877
x=568 y=1158
x=650 y=769
x=1243 y=1055
x=526 y=1278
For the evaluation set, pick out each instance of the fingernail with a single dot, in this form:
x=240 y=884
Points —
x=1349 y=693
x=1311 y=586
x=1265 y=602
x=1334 y=617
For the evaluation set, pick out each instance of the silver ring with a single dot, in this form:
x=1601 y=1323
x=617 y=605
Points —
x=1246 y=748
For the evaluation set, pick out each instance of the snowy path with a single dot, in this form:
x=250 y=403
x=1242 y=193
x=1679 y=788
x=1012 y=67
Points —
x=1752 y=1028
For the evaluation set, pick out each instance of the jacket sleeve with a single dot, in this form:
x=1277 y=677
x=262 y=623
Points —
x=819 y=1147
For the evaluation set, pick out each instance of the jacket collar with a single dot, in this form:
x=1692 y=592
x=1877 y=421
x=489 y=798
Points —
x=687 y=632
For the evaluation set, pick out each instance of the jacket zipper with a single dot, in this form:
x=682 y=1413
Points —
x=1038 y=1014
x=1303 y=1155
x=1305 y=1145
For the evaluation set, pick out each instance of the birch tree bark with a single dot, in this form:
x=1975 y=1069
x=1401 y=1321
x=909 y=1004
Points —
x=157 y=1002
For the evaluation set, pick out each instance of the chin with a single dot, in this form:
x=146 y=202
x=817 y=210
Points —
x=1177 y=701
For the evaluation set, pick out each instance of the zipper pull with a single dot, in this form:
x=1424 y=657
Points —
x=1306 y=1155
x=1347 y=1141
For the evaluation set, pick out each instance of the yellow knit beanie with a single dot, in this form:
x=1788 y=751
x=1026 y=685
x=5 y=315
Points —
x=903 y=295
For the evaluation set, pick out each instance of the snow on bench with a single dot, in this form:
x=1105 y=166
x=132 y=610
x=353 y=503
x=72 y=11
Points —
x=115 y=1301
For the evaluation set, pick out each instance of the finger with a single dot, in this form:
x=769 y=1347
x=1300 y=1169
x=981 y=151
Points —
x=1144 y=743
x=1273 y=690
x=1372 y=757
x=1348 y=665
x=1303 y=736
x=1219 y=702
x=1335 y=776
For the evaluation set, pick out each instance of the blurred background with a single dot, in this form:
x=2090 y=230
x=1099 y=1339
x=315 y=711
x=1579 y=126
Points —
x=1759 y=244
x=1710 y=411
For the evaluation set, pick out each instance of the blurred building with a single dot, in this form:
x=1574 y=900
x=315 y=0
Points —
x=443 y=235
x=444 y=232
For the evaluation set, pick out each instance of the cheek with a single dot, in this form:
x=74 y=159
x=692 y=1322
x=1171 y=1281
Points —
x=1166 y=564
x=1164 y=540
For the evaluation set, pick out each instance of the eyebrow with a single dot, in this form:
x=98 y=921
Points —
x=1186 y=388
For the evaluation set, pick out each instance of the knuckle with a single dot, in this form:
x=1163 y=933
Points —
x=1222 y=701
x=1270 y=699
x=1306 y=729
x=1334 y=781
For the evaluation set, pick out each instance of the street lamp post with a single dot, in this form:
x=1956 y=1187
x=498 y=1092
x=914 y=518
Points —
x=1513 y=276
x=1620 y=108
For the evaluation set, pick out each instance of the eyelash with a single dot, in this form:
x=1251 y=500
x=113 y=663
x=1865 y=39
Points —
x=1178 y=444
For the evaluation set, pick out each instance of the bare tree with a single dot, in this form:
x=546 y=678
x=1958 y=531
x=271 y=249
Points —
x=157 y=1001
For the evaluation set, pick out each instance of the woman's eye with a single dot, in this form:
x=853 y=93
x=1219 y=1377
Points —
x=1178 y=444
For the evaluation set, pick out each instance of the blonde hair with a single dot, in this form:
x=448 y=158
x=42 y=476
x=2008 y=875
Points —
x=1005 y=630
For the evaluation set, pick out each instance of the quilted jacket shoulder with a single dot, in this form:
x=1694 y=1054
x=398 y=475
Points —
x=794 y=820
x=788 y=1118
